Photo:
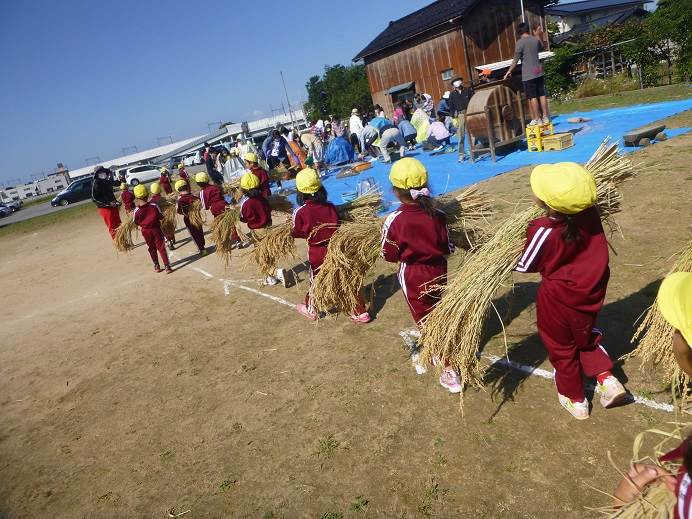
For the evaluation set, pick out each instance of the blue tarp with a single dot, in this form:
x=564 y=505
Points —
x=339 y=151
x=446 y=174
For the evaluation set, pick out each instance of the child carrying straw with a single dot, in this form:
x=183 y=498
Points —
x=569 y=249
x=157 y=199
x=416 y=236
x=316 y=220
x=252 y=163
x=148 y=217
x=127 y=198
x=212 y=199
x=185 y=200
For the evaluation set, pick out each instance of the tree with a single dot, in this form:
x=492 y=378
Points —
x=338 y=91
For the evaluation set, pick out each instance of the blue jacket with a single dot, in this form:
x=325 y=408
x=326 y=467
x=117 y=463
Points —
x=381 y=124
x=406 y=128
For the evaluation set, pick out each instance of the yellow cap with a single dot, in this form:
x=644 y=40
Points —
x=155 y=188
x=675 y=303
x=408 y=173
x=180 y=184
x=250 y=157
x=140 y=191
x=163 y=169
x=308 y=181
x=202 y=177
x=249 y=181
x=565 y=187
x=123 y=186
x=181 y=165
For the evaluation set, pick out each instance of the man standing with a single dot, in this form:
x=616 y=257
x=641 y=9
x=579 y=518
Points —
x=458 y=102
x=532 y=75
x=102 y=195
x=355 y=126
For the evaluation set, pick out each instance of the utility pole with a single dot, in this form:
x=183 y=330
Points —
x=287 y=100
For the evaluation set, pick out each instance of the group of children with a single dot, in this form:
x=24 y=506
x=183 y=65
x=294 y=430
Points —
x=567 y=246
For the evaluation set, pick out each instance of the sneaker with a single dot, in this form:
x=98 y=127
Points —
x=611 y=392
x=580 y=410
x=306 y=312
x=535 y=122
x=546 y=120
x=287 y=277
x=270 y=281
x=171 y=246
x=439 y=148
x=203 y=253
x=169 y=270
x=462 y=158
x=402 y=152
x=418 y=365
x=363 y=318
x=157 y=268
x=450 y=380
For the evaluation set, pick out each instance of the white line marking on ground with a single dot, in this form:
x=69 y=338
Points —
x=226 y=287
x=276 y=299
x=203 y=272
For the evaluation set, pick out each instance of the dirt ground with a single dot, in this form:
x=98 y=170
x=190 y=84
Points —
x=125 y=393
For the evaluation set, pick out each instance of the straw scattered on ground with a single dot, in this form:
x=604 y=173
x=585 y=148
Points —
x=123 y=241
x=655 y=335
x=222 y=231
x=453 y=331
x=355 y=247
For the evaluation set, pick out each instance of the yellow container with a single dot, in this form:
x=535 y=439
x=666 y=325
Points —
x=533 y=132
x=535 y=143
x=547 y=129
x=558 y=141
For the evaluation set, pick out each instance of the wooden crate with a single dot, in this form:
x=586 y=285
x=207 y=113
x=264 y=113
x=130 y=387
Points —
x=557 y=142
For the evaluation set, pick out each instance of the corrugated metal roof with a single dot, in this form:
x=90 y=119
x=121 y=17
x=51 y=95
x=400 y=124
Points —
x=587 y=27
x=133 y=157
x=591 y=5
x=430 y=16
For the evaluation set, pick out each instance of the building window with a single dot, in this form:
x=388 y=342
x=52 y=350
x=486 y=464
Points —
x=447 y=74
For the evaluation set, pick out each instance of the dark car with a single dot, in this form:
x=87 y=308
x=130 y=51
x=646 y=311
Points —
x=13 y=205
x=5 y=211
x=75 y=192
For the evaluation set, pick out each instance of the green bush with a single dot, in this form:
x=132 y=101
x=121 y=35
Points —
x=557 y=69
x=596 y=87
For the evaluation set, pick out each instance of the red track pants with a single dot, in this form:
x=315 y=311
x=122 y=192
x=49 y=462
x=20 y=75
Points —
x=415 y=280
x=316 y=257
x=154 y=239
x=110 y=215
x=572 y=345
x=196 y=232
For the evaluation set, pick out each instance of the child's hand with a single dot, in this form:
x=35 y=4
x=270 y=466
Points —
x=638 y=478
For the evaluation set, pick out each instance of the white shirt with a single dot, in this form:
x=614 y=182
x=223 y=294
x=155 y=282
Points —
x=355 y=125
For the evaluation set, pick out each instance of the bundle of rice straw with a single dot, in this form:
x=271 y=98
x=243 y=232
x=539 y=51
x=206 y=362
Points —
x=233 y=190
x=355 y=247
x=222 y=230
x=195 y=214
x=170 y=217
x=278 y=244
x=453 y=331
x=656 y=501
x=656 y=335
x=123 y=235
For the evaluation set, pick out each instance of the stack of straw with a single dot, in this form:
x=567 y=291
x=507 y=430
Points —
x=656 y=334
x=222 y=230
x=278 y=243
x=123 y=235
x=655 y=501
x=453 y=331
x=195 y=214
x=355 y=247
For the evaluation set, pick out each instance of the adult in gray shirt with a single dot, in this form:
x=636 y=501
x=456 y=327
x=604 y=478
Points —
x=532 y=75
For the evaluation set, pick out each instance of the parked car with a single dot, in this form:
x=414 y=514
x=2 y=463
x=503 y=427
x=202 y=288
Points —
x=14 y=205
x=5 y=211
x=137 y=174
x=193 y=159
x=75 y=192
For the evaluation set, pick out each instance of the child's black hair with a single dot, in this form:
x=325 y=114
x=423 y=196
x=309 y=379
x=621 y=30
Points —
x=571 y=231
x=252 y=193
x=426 y=203
x=319 y=196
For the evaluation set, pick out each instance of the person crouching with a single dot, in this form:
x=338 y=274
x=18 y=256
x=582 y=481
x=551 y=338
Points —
x=148 y=217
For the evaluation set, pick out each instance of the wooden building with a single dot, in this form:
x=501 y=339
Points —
x=425 y=50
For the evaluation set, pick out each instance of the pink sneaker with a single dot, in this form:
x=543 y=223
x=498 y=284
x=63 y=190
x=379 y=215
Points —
x=306 y=312
x=363 y=318
x=450 y=381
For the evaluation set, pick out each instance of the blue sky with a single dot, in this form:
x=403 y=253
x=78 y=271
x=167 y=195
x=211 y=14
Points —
x=86 y=78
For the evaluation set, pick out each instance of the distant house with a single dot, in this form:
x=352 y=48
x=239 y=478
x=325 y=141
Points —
x=580 y=17
x=425 y=50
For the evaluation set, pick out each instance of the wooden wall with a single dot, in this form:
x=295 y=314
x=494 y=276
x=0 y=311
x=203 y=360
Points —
x=490 y=33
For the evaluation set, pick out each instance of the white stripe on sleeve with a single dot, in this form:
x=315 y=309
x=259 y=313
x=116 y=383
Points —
x=533 y=249
x=385 y=227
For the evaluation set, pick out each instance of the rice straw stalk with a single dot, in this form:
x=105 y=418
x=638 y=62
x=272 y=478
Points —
x=123 y=235
x=195 y=214
x=222 y=231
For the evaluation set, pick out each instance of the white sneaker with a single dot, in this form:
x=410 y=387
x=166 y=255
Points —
x=270 y=281
x=418 y=365
x=611 y=392
x=580 y=410
x=450 y=380
x=535 y=122
x=439 y=148
x=546 y=120
x=402 y=152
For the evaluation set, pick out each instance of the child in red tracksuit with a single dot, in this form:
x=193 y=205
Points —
x=569 y=249
x=316 y=220
x=156 y=198
x=165 y=181
x=183 y=174
x=253 y=165
x=416 y=236
x=182 y=206
x=127 y=198
x=212 y=199
x=148 y=217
